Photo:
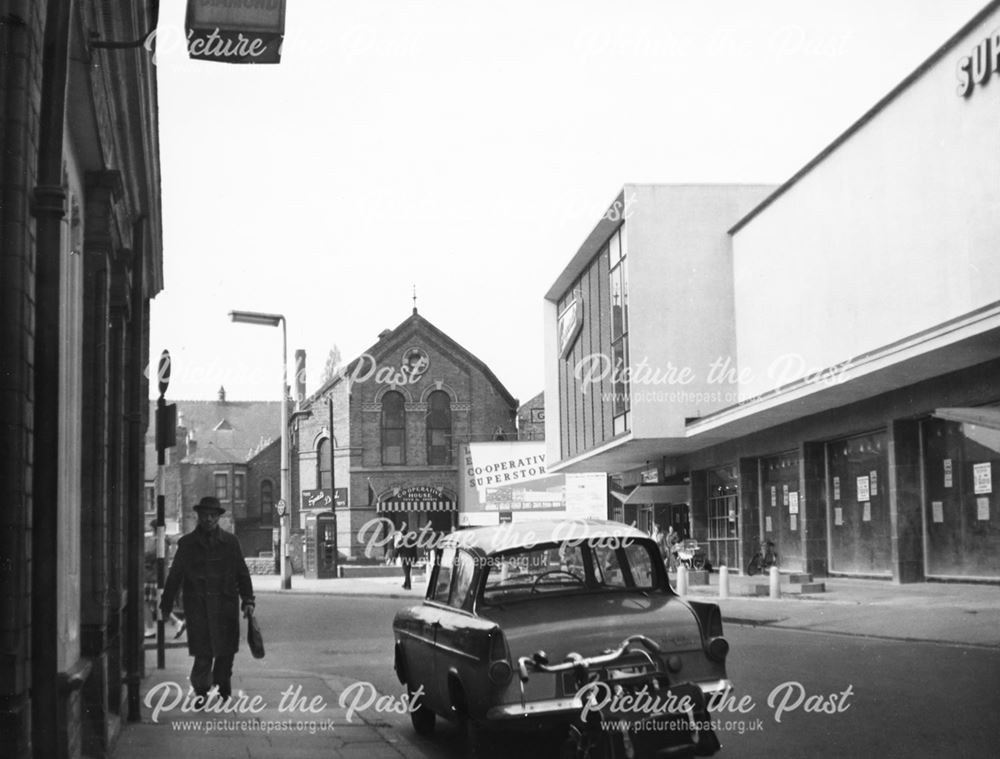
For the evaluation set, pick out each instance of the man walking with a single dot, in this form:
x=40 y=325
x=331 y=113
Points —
x=210 y=568
x=405 y=543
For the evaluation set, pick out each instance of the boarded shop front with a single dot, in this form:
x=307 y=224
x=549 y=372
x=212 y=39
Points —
x=860 y=524
x=962 y=526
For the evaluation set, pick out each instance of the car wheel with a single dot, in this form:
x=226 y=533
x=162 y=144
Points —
x=423 y=719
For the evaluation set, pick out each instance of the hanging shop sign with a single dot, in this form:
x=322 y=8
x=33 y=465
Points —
x=235 y=31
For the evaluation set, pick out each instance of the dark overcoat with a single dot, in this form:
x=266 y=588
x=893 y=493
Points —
x=211 y=571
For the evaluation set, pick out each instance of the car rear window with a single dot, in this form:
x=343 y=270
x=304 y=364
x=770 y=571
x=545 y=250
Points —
x=541 y=570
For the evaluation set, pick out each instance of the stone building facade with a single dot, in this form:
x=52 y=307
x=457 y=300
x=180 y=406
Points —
x=398 y=413
x=80 y=258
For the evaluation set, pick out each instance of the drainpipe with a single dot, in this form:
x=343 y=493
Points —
x=49 y=209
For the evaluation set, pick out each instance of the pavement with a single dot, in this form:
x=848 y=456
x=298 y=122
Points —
x=959 y=614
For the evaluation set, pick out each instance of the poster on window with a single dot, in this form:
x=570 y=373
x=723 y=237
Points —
x=937 y=511
x=793 y=503
x=774 y=496
x=784 y=495
x=836 y=488
x=838 y=516
x=864 y=494
x=767 y=524
x=983 y=509
x=866 y=512
x=982 y=476
x=947 y=473
x=793 y=522
x=873 y=480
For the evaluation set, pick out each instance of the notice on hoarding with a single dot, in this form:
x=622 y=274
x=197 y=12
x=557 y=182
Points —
x=947 y=473
x=873 y=479
x=983 y=509
x=838 y=515
x=793 y=503
x=774 y=496
x=793 y=522
x=767 y=523
x=982 y=476
x=866 y=512
x=836 y=488
x=864 y=493
x=937 y=511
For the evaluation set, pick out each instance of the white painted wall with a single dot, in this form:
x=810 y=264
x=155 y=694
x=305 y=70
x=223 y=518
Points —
x=894 y=232
x=681 y=299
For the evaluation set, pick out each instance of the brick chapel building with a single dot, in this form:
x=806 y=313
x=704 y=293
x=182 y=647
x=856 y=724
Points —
x=398 y=413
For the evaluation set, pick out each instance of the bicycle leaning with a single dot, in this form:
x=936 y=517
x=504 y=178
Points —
x=764 y=559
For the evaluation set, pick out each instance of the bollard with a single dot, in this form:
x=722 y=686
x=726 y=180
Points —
x=723 y=581
x=775 y=591
x=682 y=580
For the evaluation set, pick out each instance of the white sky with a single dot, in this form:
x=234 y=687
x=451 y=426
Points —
x=468 y=148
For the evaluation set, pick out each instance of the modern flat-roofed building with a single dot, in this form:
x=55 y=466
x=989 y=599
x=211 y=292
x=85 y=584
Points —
x=859 y=424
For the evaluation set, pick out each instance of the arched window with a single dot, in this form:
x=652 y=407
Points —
x=438 y=428
x=323 y=479
x=266 y=500
x=393 y=429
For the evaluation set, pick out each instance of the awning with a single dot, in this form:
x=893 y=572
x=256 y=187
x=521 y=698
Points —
x=645 y=494
x=384 y=506
x=984 y=417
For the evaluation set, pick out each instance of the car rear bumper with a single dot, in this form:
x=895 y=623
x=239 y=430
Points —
x=564 y=707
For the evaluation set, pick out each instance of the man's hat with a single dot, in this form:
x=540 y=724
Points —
x=209 y=502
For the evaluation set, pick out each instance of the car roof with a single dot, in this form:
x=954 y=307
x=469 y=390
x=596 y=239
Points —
x=512 y=535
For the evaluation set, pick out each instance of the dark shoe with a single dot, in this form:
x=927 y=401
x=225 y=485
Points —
x=199 y=701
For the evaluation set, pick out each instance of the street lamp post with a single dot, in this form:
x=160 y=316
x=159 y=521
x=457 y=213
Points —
x=284 y=511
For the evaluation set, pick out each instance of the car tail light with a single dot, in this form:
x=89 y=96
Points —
x=717 y=648
x=500 y=670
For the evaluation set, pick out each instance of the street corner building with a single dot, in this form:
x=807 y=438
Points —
x=80 y=251
x=229 y=449
x=812 y=365
x=380 y=440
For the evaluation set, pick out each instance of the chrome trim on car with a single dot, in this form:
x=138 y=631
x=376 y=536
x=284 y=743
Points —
x=535 y=708
x=715 y=686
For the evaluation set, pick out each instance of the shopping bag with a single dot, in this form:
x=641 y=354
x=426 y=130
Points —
x=254 y=638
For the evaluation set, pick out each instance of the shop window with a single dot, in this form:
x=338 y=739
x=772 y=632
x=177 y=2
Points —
x=439 y=428
x=149 y=494
x=722 y=512
x=620 y=385
x=323 y=478
x=222 y=486
x=266 y=500
x=393 y=428
x=960 y=511
x=860 y=528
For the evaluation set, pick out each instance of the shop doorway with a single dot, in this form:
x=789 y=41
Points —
x=723 y=532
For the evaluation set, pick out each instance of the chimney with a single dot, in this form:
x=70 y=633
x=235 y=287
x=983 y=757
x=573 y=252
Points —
x=300 y=377
x=222 y=394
